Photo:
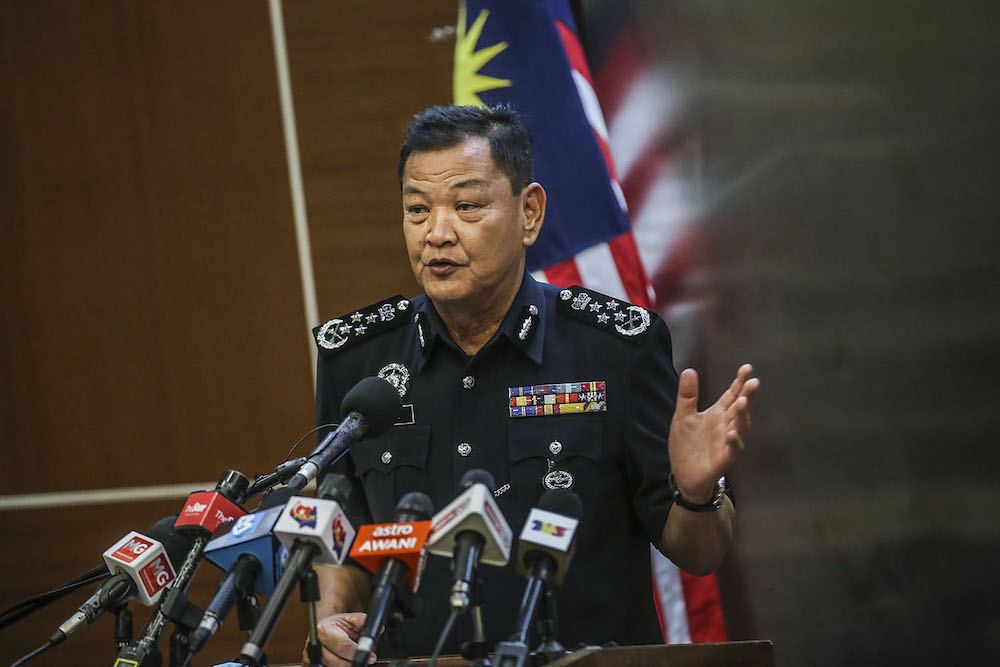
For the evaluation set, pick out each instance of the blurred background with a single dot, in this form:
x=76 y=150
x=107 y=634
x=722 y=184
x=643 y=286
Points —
x=812 y=191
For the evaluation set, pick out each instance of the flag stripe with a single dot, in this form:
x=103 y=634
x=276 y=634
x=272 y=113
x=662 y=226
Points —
x=599 y=270
x=632 y=272
x=667 y=580
x=563 y=274
x=704 y=614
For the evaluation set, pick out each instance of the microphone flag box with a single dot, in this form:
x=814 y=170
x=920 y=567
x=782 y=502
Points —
x=546 y=531
x=207 y=510
x=320 y=521
x=250 y=534
x=475 y=510
x=402 y=540
x=145 y=561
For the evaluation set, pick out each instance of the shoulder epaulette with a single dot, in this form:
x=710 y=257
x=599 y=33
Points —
x=620 y=318
x=342 y=332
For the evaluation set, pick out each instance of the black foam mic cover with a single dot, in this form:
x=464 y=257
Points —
x=175 y=543
x=377 y=401
x=561 y=501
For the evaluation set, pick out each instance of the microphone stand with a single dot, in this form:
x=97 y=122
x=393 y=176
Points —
x=123 y=627
x=309 y=593
x=477 y=651
x=550 y=649
x=247 y=611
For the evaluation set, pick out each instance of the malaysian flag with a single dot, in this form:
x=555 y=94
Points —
x=527 y=53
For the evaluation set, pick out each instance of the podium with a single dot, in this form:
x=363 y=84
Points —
x=755 y=653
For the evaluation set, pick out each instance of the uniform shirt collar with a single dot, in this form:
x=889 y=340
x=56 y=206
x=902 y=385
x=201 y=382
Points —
x=528 y=304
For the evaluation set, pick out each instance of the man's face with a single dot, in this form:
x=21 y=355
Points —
x=465 y=232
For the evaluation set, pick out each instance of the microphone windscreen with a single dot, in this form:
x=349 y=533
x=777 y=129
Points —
x=561 y=501
x=476 y=476
x=377 y=401
x=175 y=543
x=336 y=487
x=416 y=505
x=276 y=498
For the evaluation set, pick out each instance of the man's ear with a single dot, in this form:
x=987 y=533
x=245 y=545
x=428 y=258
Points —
x=533 y=202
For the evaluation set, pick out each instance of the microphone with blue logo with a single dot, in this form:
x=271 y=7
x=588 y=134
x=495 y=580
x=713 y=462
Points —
x=315 y=531
x=544 y=552
x=250 y=553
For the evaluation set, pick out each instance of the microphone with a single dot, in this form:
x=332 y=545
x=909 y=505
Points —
x=369 y=408
x=314 y=531
x=203 y=513
x=470 y=529
x=544 y=552
x=249 y=553
x=142 y=566
x=395 y=553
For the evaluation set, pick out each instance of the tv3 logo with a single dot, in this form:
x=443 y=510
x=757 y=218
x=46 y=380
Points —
x=156 y=575
x=548 y=528
x=132 y=549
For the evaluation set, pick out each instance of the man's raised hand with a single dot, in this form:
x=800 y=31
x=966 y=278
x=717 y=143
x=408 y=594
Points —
x=703 y=445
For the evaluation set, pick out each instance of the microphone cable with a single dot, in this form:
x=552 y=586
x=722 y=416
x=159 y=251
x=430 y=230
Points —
x=296 y=445
x=34 y=654
x=445 y=631
x=29 y=606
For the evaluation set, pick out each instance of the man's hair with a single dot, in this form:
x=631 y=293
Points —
x=439 y=128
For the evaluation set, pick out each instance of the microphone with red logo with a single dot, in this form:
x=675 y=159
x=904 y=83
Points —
x=470 y=529
x=314 y=531
x=203 y=513
x=395 y=553
x=249 y=552
x=141 y=567
x=369 y=408
x=544 y=552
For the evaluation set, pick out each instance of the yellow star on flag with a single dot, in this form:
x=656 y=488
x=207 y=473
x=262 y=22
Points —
x=467 y=82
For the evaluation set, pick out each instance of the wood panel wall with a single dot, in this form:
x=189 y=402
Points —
x=153 y=322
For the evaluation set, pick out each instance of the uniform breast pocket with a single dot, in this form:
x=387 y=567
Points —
x=391 y=466
x=556 y=453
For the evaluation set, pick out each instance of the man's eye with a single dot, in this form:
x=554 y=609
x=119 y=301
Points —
x=417 y=210
x=467 y=206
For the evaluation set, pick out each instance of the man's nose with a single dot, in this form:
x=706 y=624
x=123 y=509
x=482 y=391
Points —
x=441 y=229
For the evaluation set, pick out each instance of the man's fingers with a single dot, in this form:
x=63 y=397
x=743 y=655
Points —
x=735 y=442
x=736 y=387
x=750 y=390
x=741 y=415
x=339 y=635
x=687 y=393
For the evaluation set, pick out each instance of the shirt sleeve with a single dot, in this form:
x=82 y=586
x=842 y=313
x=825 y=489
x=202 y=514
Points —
x=652 y=384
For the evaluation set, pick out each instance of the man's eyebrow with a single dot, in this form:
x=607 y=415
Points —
x=412 y=190
x=470 y=183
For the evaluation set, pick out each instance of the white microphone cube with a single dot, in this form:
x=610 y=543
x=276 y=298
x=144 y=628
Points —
x=474 y=510
x=550 y=533
x=322 y=522
x=145 y=561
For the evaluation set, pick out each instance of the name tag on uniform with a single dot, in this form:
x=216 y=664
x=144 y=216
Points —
x=558 y=399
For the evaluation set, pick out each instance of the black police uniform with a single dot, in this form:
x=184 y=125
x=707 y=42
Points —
x=459 y=416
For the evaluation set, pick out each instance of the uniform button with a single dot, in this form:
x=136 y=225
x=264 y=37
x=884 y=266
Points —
x=386 y=457
x=468 y=382
x=464 y=449
x=555 y=447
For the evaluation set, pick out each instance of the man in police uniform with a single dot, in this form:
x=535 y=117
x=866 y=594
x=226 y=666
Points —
x=541 y=386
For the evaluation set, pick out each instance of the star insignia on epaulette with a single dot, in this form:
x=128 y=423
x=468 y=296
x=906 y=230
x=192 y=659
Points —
x=629 y=321
x=342 y=332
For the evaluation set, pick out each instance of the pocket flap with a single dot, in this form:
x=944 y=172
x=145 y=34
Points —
x=399 y=446
x=555 y=438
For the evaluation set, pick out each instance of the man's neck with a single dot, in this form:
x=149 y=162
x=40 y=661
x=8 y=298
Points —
x=472 y=328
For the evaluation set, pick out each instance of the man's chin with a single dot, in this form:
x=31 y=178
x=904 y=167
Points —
x=446 y=293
